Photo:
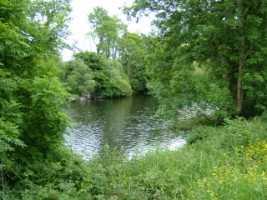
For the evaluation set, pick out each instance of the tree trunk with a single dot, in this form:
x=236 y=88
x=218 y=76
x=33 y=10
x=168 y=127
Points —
x=129 y=67
x=240 y=92
x=241 y=63
x=240 y=95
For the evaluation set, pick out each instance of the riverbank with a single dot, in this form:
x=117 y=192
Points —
x=227 y=162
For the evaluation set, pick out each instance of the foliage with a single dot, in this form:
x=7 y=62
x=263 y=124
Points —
x=61 y=176
x=132 y=57
x=113 y=41
x=119 y=79
x=79 y=77
x=47 y=23
x=225 y=39
x=225 y=162
x=32 y=122
x=107 y=30
x=221 y=162
x=193 y=171
x=9 y=117
x=110 y=79
x=91 y=59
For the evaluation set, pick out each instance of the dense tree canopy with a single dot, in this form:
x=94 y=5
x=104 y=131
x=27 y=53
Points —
x=106 y=31
x=79 y=77
x=31 y=119
x=132 y=57
x=108 y=76
x=114 y=42
x=209 y=52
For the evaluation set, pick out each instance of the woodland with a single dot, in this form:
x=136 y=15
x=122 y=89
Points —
x=211 y=53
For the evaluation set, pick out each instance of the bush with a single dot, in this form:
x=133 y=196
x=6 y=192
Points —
x=199 y=134
x=79 y=77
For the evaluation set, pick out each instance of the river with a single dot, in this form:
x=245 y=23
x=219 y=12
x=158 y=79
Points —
x=128 y=124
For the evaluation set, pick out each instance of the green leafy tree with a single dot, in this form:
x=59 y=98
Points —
x=107 y=30
x=32 y=122
x=226 y=40
x=46 y=23
x=132 y=57
x=91 y=59
x=97 y=64
x=119 y=80
x=13 y=48
x=79 y=77
x=110 y=79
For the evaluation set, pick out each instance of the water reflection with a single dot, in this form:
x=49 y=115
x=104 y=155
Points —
x=128 y=124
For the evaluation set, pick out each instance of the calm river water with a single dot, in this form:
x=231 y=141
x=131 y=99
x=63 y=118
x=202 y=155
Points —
x=129 y=124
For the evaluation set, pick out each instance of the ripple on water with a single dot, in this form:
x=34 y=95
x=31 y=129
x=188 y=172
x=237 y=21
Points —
x=127 y=124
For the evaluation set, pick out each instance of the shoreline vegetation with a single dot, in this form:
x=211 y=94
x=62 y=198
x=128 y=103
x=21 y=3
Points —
x=225 y=162
x=208 y=53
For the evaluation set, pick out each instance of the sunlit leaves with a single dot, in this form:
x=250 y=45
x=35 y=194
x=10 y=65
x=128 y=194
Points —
x=105 y=77
x=132 y=57
x=119 y=79
x=12 y=43
x=9 y=134
x=79 y=77
x=10 y=118
x=47 y=23
x=31 y=119
x=107 y=30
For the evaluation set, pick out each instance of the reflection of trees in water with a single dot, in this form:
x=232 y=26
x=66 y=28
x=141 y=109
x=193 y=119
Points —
x=115 y=119
x=126 y=121
x=127 y=124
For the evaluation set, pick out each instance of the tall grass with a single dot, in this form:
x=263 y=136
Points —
x=227 y=162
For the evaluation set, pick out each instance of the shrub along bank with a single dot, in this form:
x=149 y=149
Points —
x=227 y=162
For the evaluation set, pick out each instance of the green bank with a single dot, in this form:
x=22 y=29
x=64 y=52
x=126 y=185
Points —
x=227 y=162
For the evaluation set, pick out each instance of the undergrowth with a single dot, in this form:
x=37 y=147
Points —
x=227 y=162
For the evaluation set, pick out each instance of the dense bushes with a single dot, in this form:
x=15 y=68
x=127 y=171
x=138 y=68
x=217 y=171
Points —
x=90 y=73
x=32 y=122
x=79 y=77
